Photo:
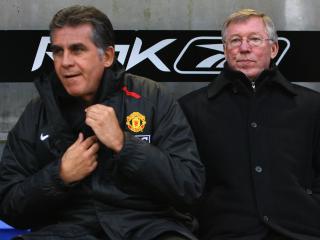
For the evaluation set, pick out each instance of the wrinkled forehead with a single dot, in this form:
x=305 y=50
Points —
x=246 y=25
x=80 y=30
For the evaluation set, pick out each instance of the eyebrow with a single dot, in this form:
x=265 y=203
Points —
x=74 y=46
x=55 y=48
x=250 y=34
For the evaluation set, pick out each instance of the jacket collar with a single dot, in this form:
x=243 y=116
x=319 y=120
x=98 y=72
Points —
x=111 y=83
x=228 y=77
x=57 y=101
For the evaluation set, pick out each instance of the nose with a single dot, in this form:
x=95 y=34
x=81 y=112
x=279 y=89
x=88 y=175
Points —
x=245 y=46
x=67 y=59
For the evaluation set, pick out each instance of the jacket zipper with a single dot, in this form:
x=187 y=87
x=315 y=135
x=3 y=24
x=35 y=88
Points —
x=253 y=85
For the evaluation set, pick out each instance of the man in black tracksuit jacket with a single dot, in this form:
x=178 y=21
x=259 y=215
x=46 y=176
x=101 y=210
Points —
x=259 y=138
x=101 y=154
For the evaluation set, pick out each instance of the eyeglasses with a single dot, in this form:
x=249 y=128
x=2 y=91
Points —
x=253 y=41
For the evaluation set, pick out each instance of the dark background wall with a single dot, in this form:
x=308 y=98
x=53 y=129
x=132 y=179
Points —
x=290 y=15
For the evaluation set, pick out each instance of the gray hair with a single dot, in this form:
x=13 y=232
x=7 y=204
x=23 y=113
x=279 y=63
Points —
x=102 y=33
x=245 y=14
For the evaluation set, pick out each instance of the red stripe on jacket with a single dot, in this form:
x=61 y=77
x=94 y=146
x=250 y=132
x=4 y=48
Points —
x=131 y=94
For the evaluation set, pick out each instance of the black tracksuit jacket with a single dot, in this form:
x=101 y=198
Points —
x=137 y=194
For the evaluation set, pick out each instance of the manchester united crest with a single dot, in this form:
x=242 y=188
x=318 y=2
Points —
x=136 y=122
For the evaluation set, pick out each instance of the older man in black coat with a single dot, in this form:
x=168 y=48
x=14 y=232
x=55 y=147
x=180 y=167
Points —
x=258 y=136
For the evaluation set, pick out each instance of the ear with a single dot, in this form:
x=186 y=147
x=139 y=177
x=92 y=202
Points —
x=108 y=56
x=274 y=49
x=224 y=48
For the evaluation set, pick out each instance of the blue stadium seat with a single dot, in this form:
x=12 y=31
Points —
x=7 y=232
